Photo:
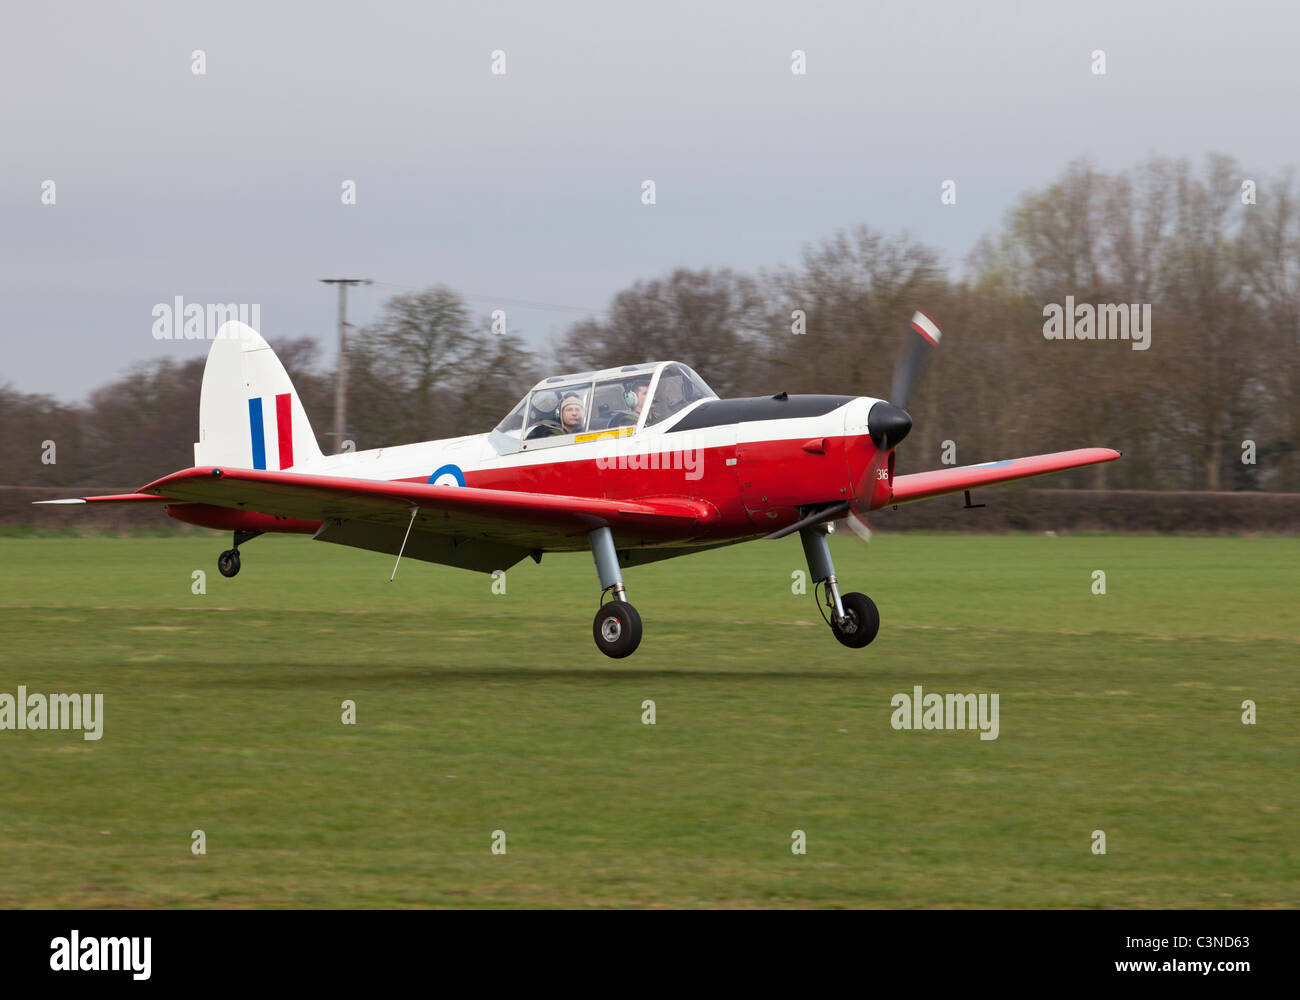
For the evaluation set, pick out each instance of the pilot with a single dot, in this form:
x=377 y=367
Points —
x=641 y=387
x=572 y=415
x=634 y=395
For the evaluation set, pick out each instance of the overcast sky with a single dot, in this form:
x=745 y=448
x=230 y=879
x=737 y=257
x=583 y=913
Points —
x=526 y=187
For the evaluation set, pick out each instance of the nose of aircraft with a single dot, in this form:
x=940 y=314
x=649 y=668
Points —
x=888 y=425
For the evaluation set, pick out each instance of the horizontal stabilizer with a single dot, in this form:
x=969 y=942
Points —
x=112 y=498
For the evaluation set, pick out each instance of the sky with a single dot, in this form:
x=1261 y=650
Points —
x=523 y=190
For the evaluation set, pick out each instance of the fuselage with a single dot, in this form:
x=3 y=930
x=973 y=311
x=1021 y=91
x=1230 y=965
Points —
x=757 y=461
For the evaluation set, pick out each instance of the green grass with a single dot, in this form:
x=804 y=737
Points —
x=479 y=712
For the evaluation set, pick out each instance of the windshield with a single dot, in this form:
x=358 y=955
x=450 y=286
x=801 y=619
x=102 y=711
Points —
x=615 y=403
x=678 y=388
x=513 y=424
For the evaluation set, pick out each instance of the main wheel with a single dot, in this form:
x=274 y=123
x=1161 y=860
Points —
x=617 y=629
x=228 y=562
x=861 y=621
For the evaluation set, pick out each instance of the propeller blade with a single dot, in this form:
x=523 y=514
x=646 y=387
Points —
x=859 y=526
x=912 y=361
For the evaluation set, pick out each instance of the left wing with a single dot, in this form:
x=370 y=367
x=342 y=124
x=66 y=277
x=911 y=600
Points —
x=923 y=485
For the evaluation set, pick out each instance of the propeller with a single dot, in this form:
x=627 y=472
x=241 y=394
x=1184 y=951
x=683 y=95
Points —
x=912 y=362
x=888 y=423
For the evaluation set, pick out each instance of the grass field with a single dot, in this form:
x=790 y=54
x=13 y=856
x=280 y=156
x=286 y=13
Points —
x=479 y=712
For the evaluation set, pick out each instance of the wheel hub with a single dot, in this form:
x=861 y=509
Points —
x=610 y=629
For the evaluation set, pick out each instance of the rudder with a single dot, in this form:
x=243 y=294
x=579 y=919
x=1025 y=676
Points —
x=250 y=415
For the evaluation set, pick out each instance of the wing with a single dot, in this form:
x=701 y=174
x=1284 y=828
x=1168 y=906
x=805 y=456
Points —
x=923 y=485
x=461 y=526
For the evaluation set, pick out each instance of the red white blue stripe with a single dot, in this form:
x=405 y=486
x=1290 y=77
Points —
x=272 y=445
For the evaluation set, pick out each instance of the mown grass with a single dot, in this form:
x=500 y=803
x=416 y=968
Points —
x=479 y=712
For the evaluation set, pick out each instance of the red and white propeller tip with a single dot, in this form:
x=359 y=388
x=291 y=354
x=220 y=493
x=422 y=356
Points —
x=926 y=327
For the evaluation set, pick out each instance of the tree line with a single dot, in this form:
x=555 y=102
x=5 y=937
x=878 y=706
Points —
x=1212 y=403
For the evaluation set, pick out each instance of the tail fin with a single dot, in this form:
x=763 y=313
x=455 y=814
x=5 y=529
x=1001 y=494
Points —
x=250 y=416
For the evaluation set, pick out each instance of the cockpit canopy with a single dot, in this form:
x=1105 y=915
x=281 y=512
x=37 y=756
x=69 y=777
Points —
x=620 y=401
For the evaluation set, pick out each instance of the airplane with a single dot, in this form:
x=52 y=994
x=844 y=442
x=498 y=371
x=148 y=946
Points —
x=636 y=463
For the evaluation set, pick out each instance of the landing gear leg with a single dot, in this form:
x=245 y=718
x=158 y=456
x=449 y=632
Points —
x=853 y=617
x=617 y=628
x=228 y=561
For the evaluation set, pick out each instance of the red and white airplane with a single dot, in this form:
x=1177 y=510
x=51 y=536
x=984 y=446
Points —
x=636 y=464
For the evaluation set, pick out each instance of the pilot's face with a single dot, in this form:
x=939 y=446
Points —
x=641 y=390
x=572 y=416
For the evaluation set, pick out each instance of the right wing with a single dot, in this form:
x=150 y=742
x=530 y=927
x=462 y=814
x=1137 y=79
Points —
x=924 y=485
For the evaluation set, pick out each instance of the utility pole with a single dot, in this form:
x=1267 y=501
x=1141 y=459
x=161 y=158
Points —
x=341 y=381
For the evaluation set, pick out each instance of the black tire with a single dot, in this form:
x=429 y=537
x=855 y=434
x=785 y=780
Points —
x=862 y=621
x=228 y=562
x=617 y=629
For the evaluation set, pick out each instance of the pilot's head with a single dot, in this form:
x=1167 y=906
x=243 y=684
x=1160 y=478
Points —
x=640 y=388
x=571 y=414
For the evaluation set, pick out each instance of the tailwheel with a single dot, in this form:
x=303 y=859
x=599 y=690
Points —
x=228 y=562
x=617 y=629
x=860 y=623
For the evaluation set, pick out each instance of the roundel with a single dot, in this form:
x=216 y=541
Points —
x=448 y=475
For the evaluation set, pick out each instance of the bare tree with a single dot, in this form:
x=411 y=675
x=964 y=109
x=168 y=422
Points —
x=706 y=319
x=427 y=369
x=29 y=422
x=856 y=291
x=1270 y=254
